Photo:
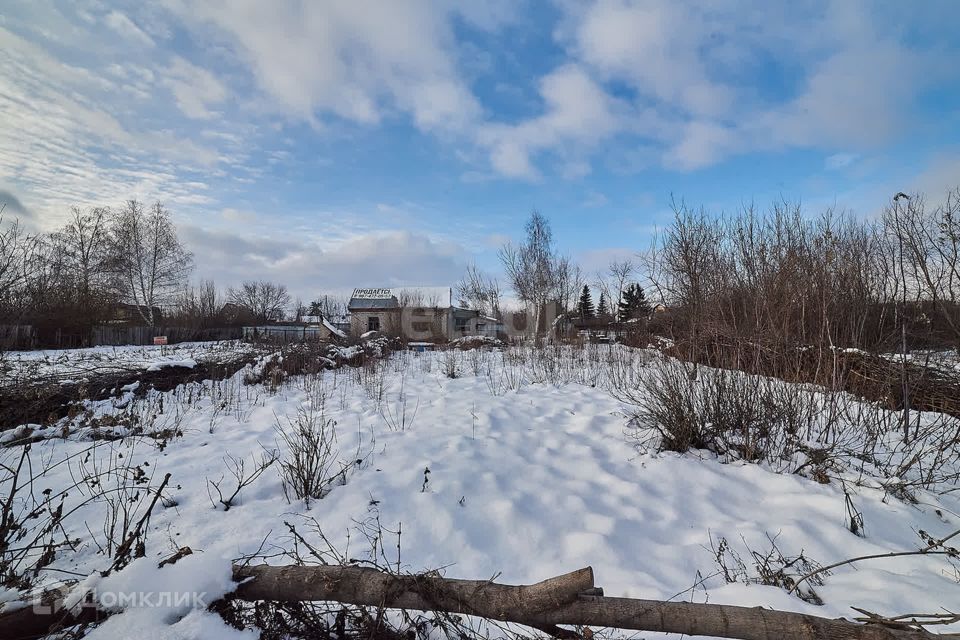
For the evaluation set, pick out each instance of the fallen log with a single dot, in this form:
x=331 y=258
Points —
x=45 y=616
x=557 y=601
x=570 y=599
x=369 y=587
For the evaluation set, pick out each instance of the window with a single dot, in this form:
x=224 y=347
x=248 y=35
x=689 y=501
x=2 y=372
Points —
x=461 y=324
x=373 y=323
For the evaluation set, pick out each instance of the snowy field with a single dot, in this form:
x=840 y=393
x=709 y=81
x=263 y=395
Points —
x=514 y=467
x=68 y=365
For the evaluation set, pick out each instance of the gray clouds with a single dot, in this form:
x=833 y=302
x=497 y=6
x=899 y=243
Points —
x=311 y=267
x=13 y=205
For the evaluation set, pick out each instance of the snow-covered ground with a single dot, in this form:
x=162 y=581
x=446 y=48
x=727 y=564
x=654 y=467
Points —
x=77 y=364
x=509 y=469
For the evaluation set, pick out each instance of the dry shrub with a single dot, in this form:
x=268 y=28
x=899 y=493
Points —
x=309 y=466
x=311 y=462
x=796 y=428
x=741 y=416
x=769 y=567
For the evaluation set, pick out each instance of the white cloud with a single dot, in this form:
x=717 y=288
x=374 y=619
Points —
x=194 y=88
x=858 y=96
x=595 y=199
x=597 y=261
x=577 y=113
x=658 y=81
x=10 y=205
x=238 y=215
x=311 y=268
x=356 y=60
x=701 y=144
x=656 y=47
x=65 y=143
x=942 y=174
x=693 y=73
x=124 y=26
x=839 y=161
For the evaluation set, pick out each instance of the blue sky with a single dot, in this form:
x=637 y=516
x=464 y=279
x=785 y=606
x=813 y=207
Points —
x=334 y=144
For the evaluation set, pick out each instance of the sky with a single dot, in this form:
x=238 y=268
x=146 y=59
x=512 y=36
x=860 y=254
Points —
x=329 y=145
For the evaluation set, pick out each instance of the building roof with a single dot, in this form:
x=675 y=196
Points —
x=393 y=298
x=359 y=304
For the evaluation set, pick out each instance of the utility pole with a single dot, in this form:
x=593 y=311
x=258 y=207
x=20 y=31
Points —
x=904 y=382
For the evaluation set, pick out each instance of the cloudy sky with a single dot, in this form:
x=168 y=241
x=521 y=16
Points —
x=334 y=144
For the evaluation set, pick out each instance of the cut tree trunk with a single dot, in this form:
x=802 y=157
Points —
x=560 y=600
x=570 y=599
x=369 y=587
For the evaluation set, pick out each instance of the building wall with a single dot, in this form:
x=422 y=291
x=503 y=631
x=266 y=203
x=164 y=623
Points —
x=389 y=321
x=422 y=324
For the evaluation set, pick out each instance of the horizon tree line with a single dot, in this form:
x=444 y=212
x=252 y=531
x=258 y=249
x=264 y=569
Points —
x=831 y=279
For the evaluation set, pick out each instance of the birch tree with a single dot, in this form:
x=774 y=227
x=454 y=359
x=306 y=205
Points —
x=151 y=264
x=532 y=266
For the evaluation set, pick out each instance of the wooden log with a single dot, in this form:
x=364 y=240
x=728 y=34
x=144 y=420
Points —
x=40 y=619
x=557 y=601
x=369 y=587
x=717 y=620
x=544 y=605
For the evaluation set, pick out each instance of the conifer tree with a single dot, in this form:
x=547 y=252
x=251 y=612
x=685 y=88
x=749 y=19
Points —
x=585 y=305
x=633 y=303
x=602 y=310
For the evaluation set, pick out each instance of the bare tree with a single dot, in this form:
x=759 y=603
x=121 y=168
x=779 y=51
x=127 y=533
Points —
x=926 y=243
x=328 y=306
x=568 y=282
x=19 y=252
x=83 y=249
x=479 y=291
x=265 y=301
x=199 y=305
x=299 y=310
x=151 y=263
x=532 y=266
x=620 y=272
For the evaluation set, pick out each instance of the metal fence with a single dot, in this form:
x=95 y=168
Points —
x=26 y=337
x=115 y=336
x=285 y=334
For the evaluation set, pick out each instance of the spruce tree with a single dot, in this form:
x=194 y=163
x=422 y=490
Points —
x=633 y=303
x=585 y=305
x=602 y=310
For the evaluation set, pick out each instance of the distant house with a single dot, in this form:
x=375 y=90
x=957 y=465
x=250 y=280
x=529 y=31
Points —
x=328 y=327
x=341 y=321
x=416 y=313
x=132 y=314
x=231 y=312
x=570 y=325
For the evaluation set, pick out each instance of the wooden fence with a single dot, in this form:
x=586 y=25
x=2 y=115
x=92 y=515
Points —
x=16 y=336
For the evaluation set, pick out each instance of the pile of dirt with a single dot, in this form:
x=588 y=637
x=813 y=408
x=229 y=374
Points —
x=45 y=402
